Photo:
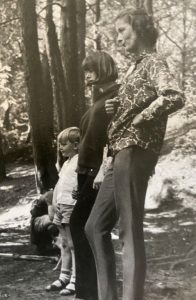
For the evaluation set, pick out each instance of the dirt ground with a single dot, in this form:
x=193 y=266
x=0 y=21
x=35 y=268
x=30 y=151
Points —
x=170 y=235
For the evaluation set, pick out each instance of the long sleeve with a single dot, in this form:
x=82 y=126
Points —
x=149 y=94
x=170 y=97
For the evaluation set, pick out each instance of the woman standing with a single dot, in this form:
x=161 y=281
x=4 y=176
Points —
x=148 y=95
x=100 y=74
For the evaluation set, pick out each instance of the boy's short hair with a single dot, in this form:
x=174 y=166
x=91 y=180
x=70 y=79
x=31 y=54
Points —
x=71 y=134
x=102 y=64
x=141 y=22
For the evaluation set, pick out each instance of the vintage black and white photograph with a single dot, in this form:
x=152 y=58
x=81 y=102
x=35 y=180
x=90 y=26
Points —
x=98 y=149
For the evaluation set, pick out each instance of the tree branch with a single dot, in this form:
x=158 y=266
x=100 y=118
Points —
x=169 y=38
x=90 y=7
x=8 y=21
x=55 y=3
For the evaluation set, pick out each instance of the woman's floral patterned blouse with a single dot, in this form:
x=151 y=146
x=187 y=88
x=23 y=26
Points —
x=151 y=91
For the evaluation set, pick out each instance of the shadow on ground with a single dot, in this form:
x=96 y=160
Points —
x=170 y=236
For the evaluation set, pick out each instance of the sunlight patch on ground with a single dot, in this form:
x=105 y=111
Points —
x=9 y=235
x=148 y=241
x=154 y=230
x=17 y=216
x=9 y=244
x=22 y=171
x=174 y=178
x=28 y=198
x=187 y=223
x=19 y=223
x=168 y=214
x=5 y=188
x=12 y=239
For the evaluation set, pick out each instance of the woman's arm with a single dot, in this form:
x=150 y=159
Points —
x=170 y=97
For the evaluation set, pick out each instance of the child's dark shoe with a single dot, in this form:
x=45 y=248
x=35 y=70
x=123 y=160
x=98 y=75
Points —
x=57 y=285
x=69 y=290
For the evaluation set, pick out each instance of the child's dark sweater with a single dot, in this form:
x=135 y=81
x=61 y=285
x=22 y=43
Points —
x=93 y=128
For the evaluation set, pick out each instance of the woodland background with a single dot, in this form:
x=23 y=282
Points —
x=42 y=45
x=41 y=81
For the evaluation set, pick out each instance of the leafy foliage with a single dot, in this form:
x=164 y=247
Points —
x=13 y=107
x=175 y=21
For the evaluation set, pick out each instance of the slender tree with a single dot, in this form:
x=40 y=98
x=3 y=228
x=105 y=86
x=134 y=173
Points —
x=97 y=19
x=2 y=162
x=72 y=50
x=182 y=53
x=81 y=34
x=47 y=82
x=136 y=3
x=59 y=83
x=148 y=5
x=46 y=174
x=184 y=44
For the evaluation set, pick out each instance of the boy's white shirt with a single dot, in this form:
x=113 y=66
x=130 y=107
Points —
x=67 y=182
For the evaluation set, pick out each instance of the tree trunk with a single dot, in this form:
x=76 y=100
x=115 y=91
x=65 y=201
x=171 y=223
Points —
x=97 y=19
x=60 y=90
x=81 y=33
x=46 y=174
x=136 y=3
x=2 y=162
x=148 y=5
x=72 y=51
x=48 y=93
x=184 y=46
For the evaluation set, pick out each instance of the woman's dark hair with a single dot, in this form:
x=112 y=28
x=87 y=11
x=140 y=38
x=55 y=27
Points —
x=102 y=64
x=142 y=23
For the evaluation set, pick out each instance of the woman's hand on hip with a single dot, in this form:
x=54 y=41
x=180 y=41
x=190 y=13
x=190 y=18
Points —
x=138 y=120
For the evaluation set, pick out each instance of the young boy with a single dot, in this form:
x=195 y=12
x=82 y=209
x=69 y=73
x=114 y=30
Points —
x=67 y=146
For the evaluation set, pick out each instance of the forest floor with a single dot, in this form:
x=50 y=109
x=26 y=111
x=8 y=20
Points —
x=170 y=236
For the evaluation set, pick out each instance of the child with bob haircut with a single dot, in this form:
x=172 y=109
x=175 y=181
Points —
x=67 y=147
x=100 y=74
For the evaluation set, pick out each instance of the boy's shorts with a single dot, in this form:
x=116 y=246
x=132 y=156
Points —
x=62 y=214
